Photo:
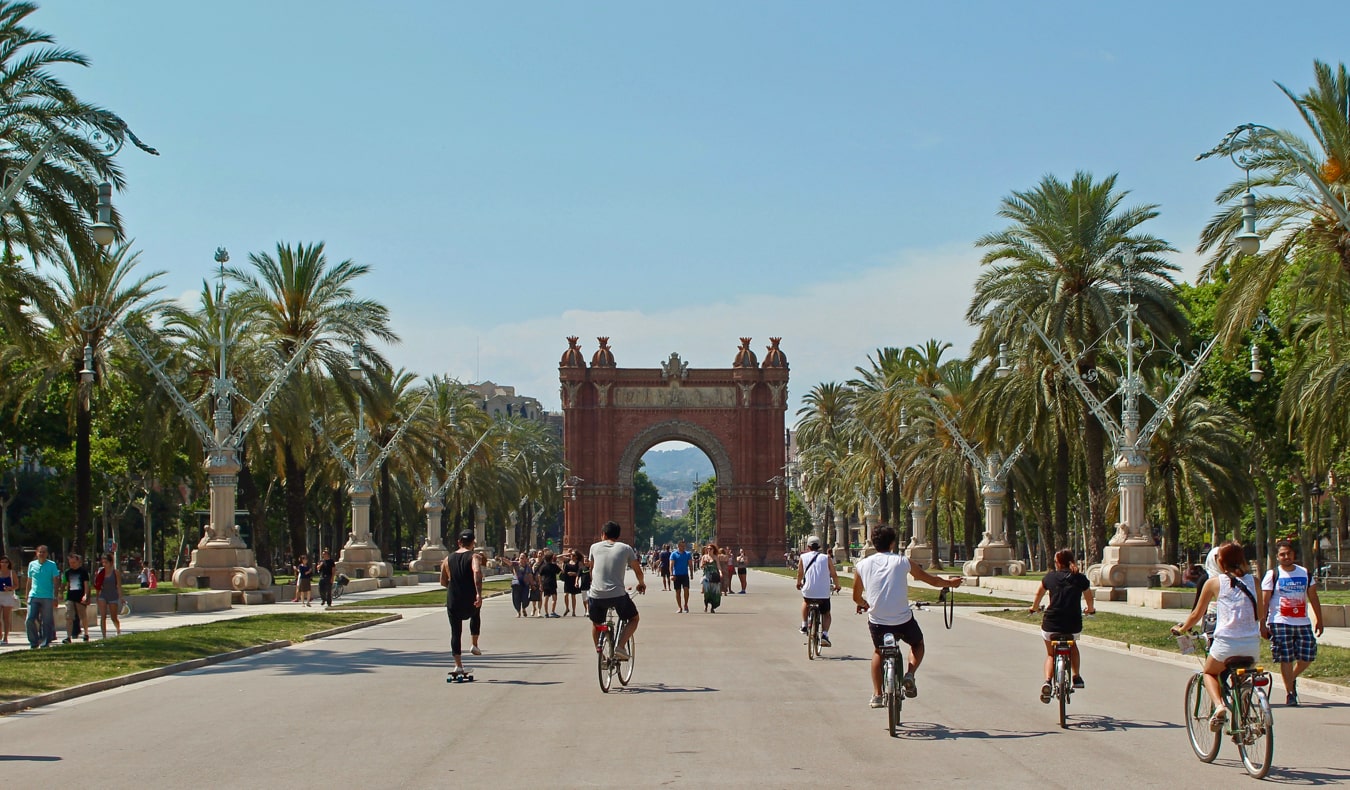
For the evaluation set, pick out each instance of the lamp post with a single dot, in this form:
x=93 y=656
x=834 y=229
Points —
x=360 y=556
x=433 y=550
x=221 y=560
x=918 y=550
x=103 y=130
x=994 y=554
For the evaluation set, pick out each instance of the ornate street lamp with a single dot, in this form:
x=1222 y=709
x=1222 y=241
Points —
x=102 y=130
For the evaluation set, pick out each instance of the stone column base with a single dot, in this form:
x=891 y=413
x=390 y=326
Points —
x=429 y=559
x=840 y=555
x=224 y=567
x=363 y=562
x=1131 y=565
x=994 y=559
x=920 y=554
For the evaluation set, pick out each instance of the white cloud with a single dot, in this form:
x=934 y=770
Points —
x=828 y=328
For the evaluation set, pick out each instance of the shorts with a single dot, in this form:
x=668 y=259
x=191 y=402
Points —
x=1050 y=636
x=1224 y=648
x=681 y=581
x=740 y=571
x=665 y=571
x=110 y=595
x=1289 y=643
x=824 y=603
x=74 y=609
x=907 y=632
x=597 y=608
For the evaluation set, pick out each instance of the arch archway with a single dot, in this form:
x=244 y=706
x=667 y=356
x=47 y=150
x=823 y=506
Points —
x=612 y=415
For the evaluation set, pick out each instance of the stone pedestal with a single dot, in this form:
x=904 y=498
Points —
x=221 y=560
x=840 y=551
x=433 y=551
x=920 y=553
x=360 y=557
x=1132 y=557
x=994 y=556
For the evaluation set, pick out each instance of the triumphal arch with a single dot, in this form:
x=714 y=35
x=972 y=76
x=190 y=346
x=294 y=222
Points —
x=612 y=415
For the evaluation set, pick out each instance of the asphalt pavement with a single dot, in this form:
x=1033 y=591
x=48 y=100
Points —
x=728 y=699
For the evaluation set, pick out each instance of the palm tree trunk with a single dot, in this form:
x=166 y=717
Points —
x=972 y=515
x=295 y=499
x=1094 y=446
x=1173 y=536
x=84 y=494
x=1060 y=529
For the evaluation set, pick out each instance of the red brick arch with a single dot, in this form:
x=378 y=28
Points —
x=612 y=415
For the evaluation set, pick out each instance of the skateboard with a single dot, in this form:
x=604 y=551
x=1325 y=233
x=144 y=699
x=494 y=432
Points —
x=459 y=677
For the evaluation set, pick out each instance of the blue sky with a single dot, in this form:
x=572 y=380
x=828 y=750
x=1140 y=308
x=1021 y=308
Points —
x=671 y=175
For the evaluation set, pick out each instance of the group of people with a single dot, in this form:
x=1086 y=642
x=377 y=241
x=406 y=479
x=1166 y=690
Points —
x=326 y=570
x=717 y=565
x=535 y=578
x=46 y=582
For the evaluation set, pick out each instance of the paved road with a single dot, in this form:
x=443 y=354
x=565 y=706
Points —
x=726 y=700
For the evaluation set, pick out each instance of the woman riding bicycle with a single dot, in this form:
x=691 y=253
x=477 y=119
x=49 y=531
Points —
x=1064 y=614
x=1237 y=631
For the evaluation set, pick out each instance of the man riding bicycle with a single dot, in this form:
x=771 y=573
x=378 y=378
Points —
x=608 y=559
x=817 y=578
x=881 y=589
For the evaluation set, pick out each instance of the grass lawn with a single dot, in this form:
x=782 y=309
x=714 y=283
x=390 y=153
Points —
x=921 y=594
x=31 y=672
x=1334 y=597
x=424 y=598
x=163 y=589
x=1332 y=664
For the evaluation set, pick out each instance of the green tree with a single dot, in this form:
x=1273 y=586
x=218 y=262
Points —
x=645 y=499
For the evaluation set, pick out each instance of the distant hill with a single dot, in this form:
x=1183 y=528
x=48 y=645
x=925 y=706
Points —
x=676 y=470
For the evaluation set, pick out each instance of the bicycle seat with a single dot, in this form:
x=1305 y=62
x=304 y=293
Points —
x=1061 y=637
x=1239 y=662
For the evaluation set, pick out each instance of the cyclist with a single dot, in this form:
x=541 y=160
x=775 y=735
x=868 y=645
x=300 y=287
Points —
x=1292 y=634
x=1064 y=615
x=608 y=559
x=881 y=589
x=817 y=578
x=1237 y=630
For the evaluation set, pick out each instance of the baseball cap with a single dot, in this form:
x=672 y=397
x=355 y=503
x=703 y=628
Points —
x=466 y=536
x=813 y=541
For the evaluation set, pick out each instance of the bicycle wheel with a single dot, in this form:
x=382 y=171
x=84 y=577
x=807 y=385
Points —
x=604 y=657
x=1256 y=743
x=893 y=697
x=626 y=667
x=813 y=636
x=948 y=600
x=1064 y=687
x=1199 y=707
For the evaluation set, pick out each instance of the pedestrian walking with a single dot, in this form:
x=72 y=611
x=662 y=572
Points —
x=548 y=583
x=712 y=580
x=303 y=574
x=9 y=600
x=724 y=568
x=1289 y=595
x=40 y=623
x=327 y=568
x=76 y=581
x=571 y=582
x=680 y=560
x=462 y=578
x=741 y=568
x=663 y=565
x=520 y=584
x=108 y=596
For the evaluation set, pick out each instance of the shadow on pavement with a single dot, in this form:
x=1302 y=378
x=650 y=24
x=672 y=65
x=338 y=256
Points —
x=365 y=661
x=1295 y=776
x=1094 y=723
x=29 y=758
x=524 y=682
x=661 y=688
x=928 y=731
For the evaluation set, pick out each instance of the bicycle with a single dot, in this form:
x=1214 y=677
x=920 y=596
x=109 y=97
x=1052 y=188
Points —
x=340 y=585
x=891 y=679
x=1061 y=683
x=1250 y=724
x=947 y=600
x=813 y=622
x=607 y=666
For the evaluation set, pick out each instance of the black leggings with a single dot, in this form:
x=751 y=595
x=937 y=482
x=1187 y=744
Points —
x=457 y=628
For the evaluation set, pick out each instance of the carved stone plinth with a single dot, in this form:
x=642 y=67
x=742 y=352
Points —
x=363 y=561
x=225 y=566
x=429 y=559
x=1130 y=563
x=920 y=554
x=993 y=559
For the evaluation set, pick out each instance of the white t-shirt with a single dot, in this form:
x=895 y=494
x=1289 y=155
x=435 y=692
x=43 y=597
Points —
x=885 y=579
x=816 y=575
x=1288 y=595
x=1237 y=616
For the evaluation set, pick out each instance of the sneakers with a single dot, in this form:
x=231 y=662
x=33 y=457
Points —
x=1046 y=689
x=86 y=637
x=825 y=641
x=1217 y=721
x=65 y=641
x=802 y=629
x=620 y=655
x=911 y=689
x=1291 y=699
x=877 y=702
x=475 y=650
x=1078 y=682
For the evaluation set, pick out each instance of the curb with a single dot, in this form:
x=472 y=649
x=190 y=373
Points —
x=1164 y=656
x=94 y=687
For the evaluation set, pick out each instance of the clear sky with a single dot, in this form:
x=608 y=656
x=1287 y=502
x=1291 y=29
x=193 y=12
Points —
x=671 y=175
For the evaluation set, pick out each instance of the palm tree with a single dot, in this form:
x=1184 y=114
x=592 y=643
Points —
x=294 y=296
x=1061 y=264
x=1297 y=215
x=106 y=281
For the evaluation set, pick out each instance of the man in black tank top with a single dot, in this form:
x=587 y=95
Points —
x=462 y=578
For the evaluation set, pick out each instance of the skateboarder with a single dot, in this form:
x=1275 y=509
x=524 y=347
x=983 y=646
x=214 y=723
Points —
x=462 y=578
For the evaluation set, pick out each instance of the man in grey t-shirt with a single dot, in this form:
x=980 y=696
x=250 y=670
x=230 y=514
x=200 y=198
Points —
x=608 y=560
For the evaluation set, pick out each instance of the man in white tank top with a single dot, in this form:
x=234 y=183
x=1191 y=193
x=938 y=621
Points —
x=817 y=578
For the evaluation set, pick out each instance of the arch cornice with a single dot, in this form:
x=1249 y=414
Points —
x=676 y=430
